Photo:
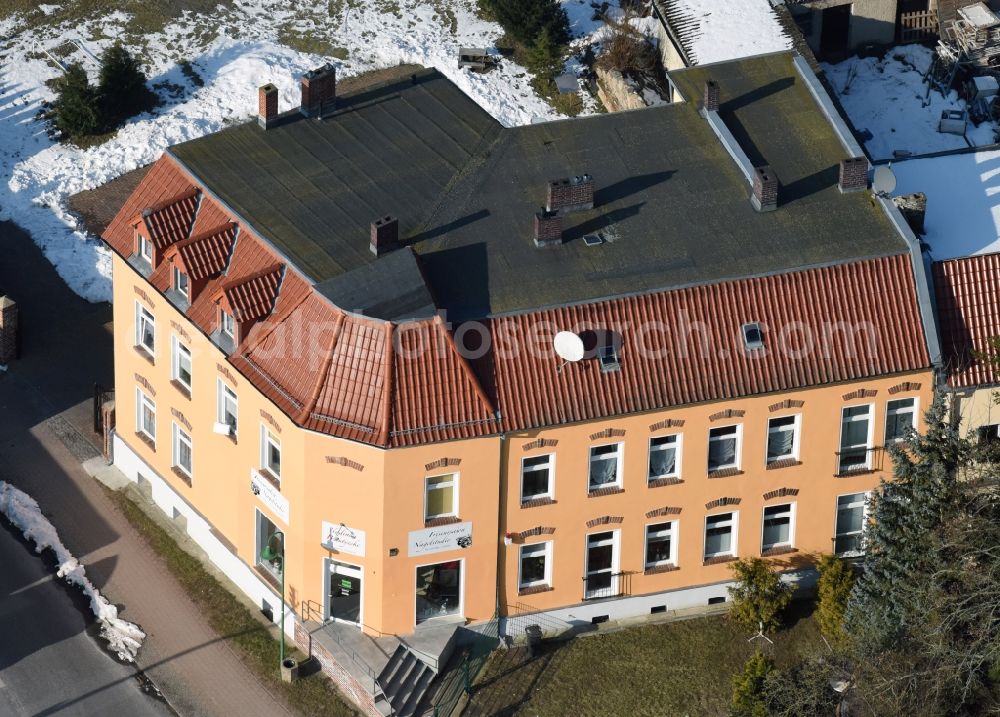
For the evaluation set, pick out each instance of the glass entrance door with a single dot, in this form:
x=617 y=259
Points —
x=345 y=593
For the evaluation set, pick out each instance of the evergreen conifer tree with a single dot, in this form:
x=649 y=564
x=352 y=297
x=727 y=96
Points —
x=76 y=107
x=122 y=86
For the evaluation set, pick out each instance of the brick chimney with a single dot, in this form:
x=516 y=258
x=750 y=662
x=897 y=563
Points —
x=853 y=174
x=319 y=90
x=765 y=189
x=385 y=235
x=571 y=194
x=548 y=228
x=267 y=105
x=711 y=97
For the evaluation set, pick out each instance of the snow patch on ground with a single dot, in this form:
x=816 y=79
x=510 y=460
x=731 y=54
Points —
x=963 y=201
x=21 y=509
x=888 y=98
x=234 y=50
x=726 y=30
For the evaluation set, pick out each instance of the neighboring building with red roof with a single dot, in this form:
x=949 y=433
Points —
x=967 y=291
x=338 y=324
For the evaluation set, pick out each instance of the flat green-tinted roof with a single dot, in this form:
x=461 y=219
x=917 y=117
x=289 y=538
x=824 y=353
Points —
x=671 y=203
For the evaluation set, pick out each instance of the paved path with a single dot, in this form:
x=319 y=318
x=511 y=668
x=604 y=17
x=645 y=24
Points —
x=44 y=641
x=45 y=423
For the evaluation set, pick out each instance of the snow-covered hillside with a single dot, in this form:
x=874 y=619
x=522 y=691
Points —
x=233 y=52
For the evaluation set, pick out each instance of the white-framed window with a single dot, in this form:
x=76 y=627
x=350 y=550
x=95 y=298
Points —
x=182 y=452
x=145 y=415
x=145 y=329
x=900 y=418
x=720 y=535
x=601 y=576
x=180 y=363
x=661 y=544
x=535 y=565
x=605 y=466
x=145 y=247
x=724 y=447
x=441 y=496
x=664 y=457
x=855 y=438
x=783 y=438
x=779 y=526
x=852 y=515
x=538 y=477
x=181 y=283
x=227 y=324
x=270 y=452
x=228 y=407
x=266 y=534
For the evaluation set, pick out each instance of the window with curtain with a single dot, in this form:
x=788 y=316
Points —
x=781 y=438
x=663 y=457
x=723 y=447
x=605 y=466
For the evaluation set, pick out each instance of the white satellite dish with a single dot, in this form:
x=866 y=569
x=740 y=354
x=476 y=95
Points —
x=568 y=346
x=884 y=181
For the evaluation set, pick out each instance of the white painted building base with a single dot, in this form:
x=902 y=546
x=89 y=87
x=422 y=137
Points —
x=139 y=472
x=684 y=601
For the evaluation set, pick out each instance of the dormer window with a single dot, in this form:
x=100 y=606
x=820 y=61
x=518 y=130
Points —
x=181 y=283
x=145 y=248
x=227 y=324
x=753 y=337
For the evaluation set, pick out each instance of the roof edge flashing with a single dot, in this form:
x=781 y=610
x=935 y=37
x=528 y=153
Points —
x=728 y=141
x=822 y=98
x=922 y=280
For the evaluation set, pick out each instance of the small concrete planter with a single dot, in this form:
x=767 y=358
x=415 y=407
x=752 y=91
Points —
x=289 y=670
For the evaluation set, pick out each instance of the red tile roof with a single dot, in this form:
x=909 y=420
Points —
x=391 y=384
x=170 y=221
x=207 y=254
x=968 y=306
x=328 y=370
x=252 y=297
x=686 y=346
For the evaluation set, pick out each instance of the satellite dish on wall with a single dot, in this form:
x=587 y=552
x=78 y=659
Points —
x=568 y=346
x=884 y=181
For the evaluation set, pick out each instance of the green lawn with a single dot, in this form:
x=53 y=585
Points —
x=675 y=668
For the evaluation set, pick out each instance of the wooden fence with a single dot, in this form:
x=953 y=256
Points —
x=917 y=26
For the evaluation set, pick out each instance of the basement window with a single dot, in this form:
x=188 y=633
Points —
x=753 y=337
x=608 y=356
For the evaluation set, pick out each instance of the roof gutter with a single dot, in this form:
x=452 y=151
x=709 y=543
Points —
x=922 y=275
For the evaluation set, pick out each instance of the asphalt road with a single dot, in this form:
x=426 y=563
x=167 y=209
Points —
x=51 y=662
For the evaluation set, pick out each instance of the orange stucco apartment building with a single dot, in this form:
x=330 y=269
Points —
x=337 y=322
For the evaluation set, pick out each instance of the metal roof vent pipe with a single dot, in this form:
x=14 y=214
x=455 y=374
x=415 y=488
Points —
x=853 y=174
x=764 y=190
x=571 y=194
x=319 y=91
x=385 y=235
x=710 y=99
x=267 y=105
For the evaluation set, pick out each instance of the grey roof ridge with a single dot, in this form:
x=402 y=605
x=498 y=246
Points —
x=923 y=278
